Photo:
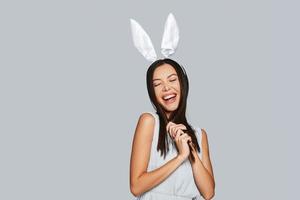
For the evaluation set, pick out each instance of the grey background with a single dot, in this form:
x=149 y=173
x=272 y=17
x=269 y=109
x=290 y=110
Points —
x=72 y=87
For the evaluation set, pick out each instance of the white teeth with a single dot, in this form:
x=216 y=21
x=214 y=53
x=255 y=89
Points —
x=169 y=96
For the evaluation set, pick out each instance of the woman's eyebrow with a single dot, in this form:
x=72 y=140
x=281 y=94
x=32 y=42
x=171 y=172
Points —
x=167 y=77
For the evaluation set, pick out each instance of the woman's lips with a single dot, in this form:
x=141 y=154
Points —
x=170 y=100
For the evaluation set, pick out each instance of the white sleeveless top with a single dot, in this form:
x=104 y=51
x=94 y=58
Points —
x=179 y=185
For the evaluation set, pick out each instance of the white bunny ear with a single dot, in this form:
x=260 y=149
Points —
x=170 y=37
x=142 y=41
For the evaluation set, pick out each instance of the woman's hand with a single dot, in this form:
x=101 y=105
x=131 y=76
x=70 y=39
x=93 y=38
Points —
x=181 y=139
x=173 y=129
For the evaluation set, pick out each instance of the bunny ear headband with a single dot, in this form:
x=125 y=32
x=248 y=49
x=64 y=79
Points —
x=143 y=42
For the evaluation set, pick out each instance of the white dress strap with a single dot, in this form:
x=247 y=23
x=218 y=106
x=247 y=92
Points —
x=199 y=139
x=156 y=127
x=153 y=158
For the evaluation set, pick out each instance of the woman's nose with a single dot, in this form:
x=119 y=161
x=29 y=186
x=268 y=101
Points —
x=166 y=87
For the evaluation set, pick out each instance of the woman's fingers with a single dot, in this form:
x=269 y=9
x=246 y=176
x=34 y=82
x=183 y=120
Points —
x=177 y=136
x=176 y=129
x=179 y=126
x=184 y=137
x=180 y=132
x=171 y=125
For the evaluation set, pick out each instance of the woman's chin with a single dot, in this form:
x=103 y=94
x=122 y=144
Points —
x=170 y=108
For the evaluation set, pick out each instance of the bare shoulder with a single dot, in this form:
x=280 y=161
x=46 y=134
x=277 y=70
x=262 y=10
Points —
x=145 y=126
x=146 y=118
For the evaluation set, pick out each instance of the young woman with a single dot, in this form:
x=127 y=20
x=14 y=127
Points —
x=170 y=159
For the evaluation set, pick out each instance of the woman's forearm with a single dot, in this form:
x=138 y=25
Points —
x=148 y=180
x=203 y=179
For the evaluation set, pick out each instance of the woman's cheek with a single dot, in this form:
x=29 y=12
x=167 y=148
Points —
x=156 y=94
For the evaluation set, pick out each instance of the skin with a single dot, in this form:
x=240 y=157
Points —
x=165 y=81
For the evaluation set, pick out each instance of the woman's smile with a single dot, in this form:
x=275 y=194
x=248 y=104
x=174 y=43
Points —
x=170 y=98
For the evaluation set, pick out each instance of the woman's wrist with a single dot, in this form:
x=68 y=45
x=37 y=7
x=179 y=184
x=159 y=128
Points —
x=180 y=158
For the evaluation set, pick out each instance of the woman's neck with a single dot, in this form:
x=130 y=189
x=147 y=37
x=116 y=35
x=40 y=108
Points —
x=168 y=114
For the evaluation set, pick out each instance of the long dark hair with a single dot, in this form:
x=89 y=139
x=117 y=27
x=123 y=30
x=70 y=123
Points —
x=178 y=116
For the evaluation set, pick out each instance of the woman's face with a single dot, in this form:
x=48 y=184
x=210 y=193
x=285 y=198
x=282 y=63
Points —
x=166 y=87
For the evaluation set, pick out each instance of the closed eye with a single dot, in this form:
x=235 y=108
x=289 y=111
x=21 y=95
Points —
x=172 y=80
